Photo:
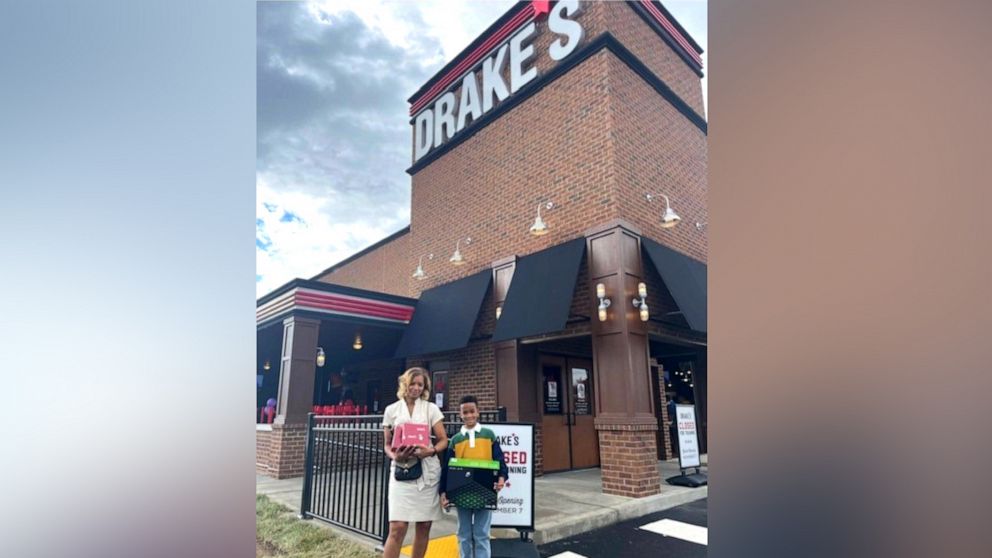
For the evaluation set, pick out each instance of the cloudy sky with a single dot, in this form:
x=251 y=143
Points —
x=333 y=132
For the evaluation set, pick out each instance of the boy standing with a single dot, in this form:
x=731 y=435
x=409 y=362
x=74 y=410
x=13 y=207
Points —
x=473 y=442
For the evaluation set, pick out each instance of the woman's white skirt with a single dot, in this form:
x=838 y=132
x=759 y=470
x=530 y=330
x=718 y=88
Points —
x=416 y=500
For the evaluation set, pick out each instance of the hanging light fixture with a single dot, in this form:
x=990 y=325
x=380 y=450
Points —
x=499 y=311
x=641 y=303
x=357 y=345
x=419 y=273
x=321 y=358
x=604 y=302
x=539 y=228
x=267 y=366
x=669 y=219
x=456 y=258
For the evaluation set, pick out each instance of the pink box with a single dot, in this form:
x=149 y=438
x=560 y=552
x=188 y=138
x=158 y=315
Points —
x=411 y=434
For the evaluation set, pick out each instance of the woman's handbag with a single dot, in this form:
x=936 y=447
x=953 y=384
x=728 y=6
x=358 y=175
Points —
x=408 y=472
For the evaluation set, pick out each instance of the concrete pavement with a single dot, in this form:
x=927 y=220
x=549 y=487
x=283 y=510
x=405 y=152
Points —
x=566 y=504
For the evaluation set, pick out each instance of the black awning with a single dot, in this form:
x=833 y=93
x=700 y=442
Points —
x=541 y=292
x=444 y=316
x=685 y=279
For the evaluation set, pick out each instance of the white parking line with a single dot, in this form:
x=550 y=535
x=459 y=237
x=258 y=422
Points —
x=568 y=554
x=679 y=530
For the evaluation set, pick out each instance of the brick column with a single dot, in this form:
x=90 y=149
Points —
x=625 y=417
x=286 y=445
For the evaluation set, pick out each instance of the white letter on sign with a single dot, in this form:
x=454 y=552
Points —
x=571 y=29
x=444 y=119
x=469 y=103
x=519 y=78
x=424 y=134
x=492 y=79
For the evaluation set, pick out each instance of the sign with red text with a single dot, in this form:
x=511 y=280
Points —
x=515 y=503
x=685 y=420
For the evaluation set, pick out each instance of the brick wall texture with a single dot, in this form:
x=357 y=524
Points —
x=593 y=142
x=281 y=453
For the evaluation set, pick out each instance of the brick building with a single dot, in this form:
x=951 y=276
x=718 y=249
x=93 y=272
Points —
x=573 y=112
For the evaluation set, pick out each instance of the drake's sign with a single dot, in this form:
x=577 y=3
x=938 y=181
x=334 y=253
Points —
x=448 y=115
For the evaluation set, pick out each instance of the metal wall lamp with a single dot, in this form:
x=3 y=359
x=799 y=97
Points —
x=419 y=273
x=669 y=219
x=539 y=228
x=267 y=366
x=641 y=303
x=456 y=258
x=604 y=302
x=357 y=345
x=699 y=226
x=321 y=357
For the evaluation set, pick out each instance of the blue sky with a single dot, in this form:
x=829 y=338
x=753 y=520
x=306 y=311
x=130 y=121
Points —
x=332 y=126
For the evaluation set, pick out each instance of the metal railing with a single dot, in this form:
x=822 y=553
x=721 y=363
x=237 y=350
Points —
x=346 y=475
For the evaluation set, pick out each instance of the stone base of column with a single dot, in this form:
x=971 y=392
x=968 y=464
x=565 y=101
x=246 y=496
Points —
x=281 y=452
x=628 y=456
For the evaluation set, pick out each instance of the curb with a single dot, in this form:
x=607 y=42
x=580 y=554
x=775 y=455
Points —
x=581 y=523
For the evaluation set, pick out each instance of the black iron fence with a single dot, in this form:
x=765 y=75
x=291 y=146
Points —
x=346 y=480
x=347 y=474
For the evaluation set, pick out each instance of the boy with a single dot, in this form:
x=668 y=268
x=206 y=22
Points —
x=473 y=442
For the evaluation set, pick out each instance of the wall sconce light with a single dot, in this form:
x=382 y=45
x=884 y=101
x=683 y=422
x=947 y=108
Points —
x=419 y=273
x=699 y=226
x=456 y=258
x=499 y=311
x=267 y=366
x=539 y=228
x=321 y=358
x=669 y=219
x=357 y=345
x=642 y=292
x=604 y=302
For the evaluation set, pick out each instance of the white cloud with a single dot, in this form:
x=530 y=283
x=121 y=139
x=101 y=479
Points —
x=304 y=247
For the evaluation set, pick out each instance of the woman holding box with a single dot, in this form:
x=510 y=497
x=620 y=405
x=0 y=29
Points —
x=416 y=499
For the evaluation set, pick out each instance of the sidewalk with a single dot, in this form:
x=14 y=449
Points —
x=565 y=503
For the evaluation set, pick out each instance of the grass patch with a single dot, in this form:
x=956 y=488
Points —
x=279 y=534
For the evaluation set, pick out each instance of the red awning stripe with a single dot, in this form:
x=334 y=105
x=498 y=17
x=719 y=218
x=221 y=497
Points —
x=334 y=303
x=343 y=312
x=517 y=21
x=653 y=10
x=371 y=303
x=274 y=307
x=355 y=308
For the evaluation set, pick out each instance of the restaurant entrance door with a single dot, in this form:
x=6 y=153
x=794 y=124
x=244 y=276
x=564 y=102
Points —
x=568 y=433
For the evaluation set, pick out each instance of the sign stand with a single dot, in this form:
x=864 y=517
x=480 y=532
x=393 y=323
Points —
x=516 y=507
x=685 y=419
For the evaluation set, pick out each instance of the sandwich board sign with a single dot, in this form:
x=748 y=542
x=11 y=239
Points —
x=515 y=503
x=685 y=420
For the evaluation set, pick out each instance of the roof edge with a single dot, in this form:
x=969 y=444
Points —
x=364 y=252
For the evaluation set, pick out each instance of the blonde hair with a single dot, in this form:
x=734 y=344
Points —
x=408 y=377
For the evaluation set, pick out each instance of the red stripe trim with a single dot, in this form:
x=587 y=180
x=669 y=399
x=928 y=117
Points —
x=518 y=20
x=672 y=31
x=357 y=307
x=337 y=308
x=317 y=295
x=354 y=307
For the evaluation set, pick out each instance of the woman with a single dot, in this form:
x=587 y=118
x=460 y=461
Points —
x=415 y=500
